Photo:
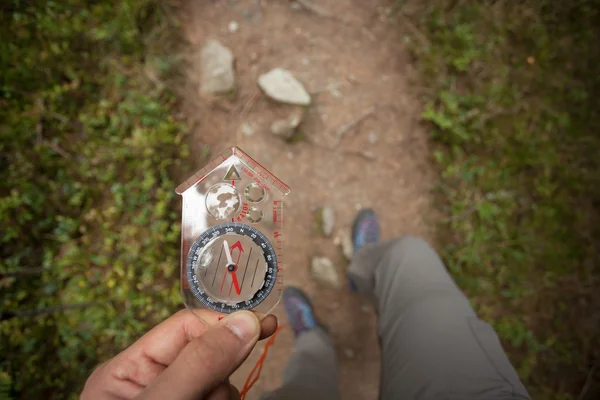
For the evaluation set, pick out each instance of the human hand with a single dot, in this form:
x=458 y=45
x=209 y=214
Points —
x=181 y=358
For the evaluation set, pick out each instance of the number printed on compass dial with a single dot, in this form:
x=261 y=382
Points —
x=231 y=267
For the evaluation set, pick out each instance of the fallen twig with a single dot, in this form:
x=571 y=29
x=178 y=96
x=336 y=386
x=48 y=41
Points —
x=318 y=11
x=315 y=9
x=367 y=155
x=414 y=30
x=351 y=125
x=249 y=104
x=57 y=148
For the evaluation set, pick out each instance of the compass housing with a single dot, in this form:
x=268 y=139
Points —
x=241 y=284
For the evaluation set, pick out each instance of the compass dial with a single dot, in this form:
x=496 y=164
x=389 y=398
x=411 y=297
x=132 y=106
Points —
x=231 y=267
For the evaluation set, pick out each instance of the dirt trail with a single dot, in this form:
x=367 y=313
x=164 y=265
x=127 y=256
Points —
x=349 y=63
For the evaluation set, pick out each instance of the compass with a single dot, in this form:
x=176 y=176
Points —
x=232 y=237
x=230 y=267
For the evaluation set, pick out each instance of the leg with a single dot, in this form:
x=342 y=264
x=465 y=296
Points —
x=311 y=373
x=433 y=344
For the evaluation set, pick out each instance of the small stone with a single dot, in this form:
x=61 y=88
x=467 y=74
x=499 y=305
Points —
x=337 y=240
x=335 y=92
x=295 y=6
x=346 y=244
x=290 y=155
x=365 y=308
x=279 y=84
x=218 y=75
x=247 y=129
x=373 y=137
x=323 y=270
x=327 y=220
x=286 y=128
x=233 y=27
x=348 y=352
x=368 y=155
x=357 y=206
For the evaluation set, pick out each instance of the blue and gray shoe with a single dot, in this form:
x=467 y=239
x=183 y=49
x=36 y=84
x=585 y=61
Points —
x=365 y=229
x=299 y=310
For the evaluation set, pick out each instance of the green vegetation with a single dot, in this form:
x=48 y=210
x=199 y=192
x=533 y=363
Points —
x=511 y=93
x=89 y=239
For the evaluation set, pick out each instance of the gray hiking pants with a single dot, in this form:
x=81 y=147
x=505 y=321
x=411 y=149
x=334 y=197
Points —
x=433 y=346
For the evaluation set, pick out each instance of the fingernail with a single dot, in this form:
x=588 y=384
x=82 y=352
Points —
x=243 y=325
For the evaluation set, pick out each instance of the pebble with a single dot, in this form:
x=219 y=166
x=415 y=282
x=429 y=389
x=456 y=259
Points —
x=327 y=220
x=233 y=27
x=337 y=240
x=280 y=85
x=247 y=129
x=323 y=271
x=348 y=352
x=290 y=155
x=295 y=6
x=357 y=206
x=347 y=245
x=334 y=91
x=373 y=137
x=218 y=75
x=365 y=308
x=286 y=128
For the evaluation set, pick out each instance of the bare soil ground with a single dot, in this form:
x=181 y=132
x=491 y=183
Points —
x=350 y=58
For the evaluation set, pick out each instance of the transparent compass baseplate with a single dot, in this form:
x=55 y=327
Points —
x=232 y=238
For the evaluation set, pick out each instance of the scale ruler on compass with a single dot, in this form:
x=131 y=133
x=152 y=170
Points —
x=232 y=236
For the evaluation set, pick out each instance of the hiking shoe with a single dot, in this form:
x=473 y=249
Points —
x=365 y=229
x=299 y=310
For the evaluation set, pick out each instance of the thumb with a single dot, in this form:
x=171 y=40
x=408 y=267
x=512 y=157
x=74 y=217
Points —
x=208 y=360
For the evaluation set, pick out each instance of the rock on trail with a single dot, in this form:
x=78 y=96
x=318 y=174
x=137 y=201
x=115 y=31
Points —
x=285 y=128
x=280 y=85
x=327 y=220
x=323 y=270
x=218 y=75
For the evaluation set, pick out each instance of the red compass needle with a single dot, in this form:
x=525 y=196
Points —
x=235 y=283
